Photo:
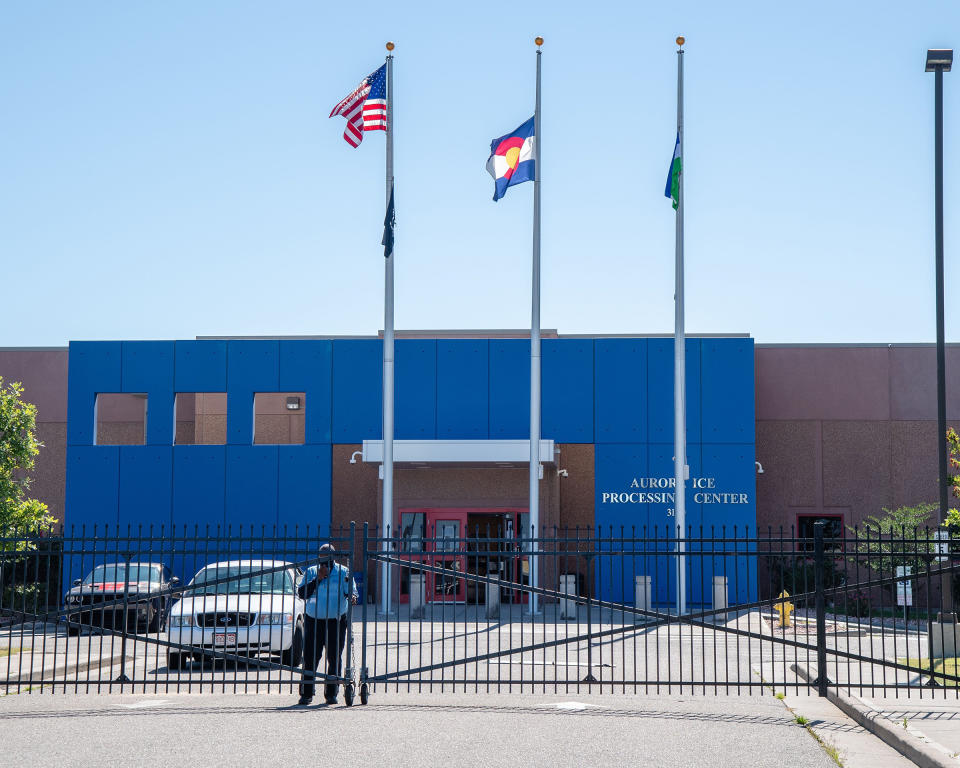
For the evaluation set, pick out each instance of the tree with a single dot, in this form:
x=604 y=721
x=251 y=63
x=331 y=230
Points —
x=900 y=536
x=19 y=515
x=952 y=520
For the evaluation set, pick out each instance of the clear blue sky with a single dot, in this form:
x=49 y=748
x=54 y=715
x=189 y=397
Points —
x=168 y=169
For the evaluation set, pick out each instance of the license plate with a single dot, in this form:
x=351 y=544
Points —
x=225 y=638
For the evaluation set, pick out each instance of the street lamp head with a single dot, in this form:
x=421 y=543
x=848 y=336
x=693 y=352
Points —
x=939 y=58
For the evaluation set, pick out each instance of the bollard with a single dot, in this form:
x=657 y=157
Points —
x=720 y=599
x=641 y=597
x=493 y=596
x=418 y=594
x=568 y=586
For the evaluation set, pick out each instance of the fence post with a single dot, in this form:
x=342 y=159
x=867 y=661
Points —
x=818 y=565
x=122 y=678
x=363 y=625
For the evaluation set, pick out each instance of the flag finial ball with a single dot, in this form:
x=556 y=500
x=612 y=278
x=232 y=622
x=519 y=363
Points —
x=681 y=40
x=390 y=46
x=538 y=41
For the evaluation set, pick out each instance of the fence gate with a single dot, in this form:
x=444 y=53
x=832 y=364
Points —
x=216 y=610
x=776 y=612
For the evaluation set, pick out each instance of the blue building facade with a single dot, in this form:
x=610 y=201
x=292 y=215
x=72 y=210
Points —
x=614 y=393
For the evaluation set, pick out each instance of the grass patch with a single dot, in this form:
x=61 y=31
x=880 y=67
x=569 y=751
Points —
x=800 y=720
x=779 y=695
x=831 y=750
x=948 y=666
x=10 y=650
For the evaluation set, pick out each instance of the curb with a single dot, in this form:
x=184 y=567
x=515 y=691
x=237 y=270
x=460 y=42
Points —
x=915 y=747
x=55 y=675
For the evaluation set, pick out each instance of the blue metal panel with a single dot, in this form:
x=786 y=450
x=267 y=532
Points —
x=306 y=366
x=619 y=469
x=304 y=486
x=728 y=391
x=617 y=466
x=416 y=389
x=147 y=366
x=94 y=366
x=510 y=390
x=252 y=366
x=660 y=390
x=146 y=479
x=462 y=389
x=621 y=390
x=731 y=510
x=357 y=390
x=198 y=486
x=251 y=498
x=92 y=482
x=663 y=524
x=201 y=366
x=567 y=387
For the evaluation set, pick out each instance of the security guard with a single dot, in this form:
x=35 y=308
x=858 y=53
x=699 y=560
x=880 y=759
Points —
x=325 y=587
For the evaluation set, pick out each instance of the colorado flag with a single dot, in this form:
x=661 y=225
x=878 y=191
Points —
x=511 y=158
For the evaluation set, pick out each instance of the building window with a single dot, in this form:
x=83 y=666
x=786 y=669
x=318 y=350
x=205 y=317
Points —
x=201 y=418
x=832 y=531
x=278 y=418
x=121 y=418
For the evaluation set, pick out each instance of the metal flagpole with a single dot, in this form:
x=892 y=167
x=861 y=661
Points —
x=386 y=518
x=535 y=355
x=681 y=470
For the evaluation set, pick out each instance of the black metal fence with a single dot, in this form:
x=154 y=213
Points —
x=100 y=610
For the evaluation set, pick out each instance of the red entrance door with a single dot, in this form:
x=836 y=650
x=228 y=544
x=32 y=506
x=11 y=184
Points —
x=446 y=548
x=480 y=541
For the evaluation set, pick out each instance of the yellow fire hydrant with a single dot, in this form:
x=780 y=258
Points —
x=784 y=608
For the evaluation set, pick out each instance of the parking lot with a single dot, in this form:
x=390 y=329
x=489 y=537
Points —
x=456 y=647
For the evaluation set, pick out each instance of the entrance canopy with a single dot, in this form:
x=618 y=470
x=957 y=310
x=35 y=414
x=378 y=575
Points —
x=497 y=452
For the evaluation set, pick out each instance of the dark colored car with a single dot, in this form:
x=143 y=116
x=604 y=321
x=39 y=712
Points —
x=108 y=583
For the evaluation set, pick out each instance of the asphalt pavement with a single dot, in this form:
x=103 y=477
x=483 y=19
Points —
x=404 y=730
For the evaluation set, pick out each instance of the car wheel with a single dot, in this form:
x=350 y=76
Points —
x=73 y=629
x=293 y=656
x=175 y=660
x=154 y=624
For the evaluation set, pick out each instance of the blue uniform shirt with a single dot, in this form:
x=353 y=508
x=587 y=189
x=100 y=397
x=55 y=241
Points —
x=330 y=599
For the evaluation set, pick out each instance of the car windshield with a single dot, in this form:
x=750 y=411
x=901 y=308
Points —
x=119 y=573
x=244 y=580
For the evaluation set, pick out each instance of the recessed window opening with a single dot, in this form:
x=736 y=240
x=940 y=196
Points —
x=279 y=418
x=200 y=418
x=832 y=530
x=121 y=418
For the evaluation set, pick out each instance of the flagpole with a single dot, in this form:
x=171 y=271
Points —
x=681 y=470
x=386 y=518
x=535 y=355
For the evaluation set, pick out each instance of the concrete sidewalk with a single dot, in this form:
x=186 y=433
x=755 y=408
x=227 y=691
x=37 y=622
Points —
x=46 y=652
x=924 y=726
x=931 y=719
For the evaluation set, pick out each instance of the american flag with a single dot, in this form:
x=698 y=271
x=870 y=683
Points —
x=365 y=108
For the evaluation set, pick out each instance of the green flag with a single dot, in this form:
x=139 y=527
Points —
x=673 y=176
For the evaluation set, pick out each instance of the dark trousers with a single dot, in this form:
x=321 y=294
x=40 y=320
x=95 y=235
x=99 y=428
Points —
x=320 y=634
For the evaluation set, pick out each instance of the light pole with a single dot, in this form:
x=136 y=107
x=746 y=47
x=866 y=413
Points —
x=938 y=62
